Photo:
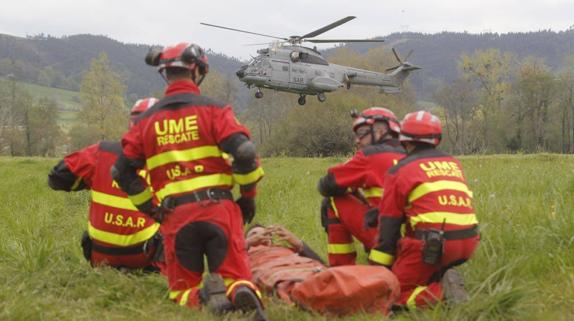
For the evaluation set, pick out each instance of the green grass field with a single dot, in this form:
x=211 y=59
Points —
x=523 y=270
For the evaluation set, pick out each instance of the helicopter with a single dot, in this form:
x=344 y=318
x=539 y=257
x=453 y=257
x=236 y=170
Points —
x=288 y=66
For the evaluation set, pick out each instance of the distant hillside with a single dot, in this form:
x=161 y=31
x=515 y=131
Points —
x=60 y=62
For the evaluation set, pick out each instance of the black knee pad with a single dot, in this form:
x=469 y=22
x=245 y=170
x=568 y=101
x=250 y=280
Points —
x=197 y=239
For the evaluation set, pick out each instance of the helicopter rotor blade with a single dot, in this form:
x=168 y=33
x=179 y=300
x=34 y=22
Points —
x=408 y=55
x=238 y=30
x=342 y=40
x=257 y=44
x=392 y=68
x=397 y=56
x=328 y=27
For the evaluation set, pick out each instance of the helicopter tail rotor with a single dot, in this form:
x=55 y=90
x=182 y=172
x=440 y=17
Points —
x=406 y=66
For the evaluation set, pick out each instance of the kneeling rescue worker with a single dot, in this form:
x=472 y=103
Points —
x=116 y=231
x=184 y=141
x=427 y=191
x=353 y=189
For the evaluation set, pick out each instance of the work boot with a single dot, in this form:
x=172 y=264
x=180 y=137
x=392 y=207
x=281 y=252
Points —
x=453 y=287
x=246 y=300
x=213 y=295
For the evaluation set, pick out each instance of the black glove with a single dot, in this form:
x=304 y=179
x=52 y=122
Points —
x=247 y=206
x=371 y=218
x=157 y=213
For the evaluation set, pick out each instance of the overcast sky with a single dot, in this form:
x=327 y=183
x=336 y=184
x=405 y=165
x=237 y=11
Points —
x=170 y=21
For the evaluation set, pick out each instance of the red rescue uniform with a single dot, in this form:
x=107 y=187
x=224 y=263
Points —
x=179 y=139
x=116 y=230
x=426 y=190
x=345 y=214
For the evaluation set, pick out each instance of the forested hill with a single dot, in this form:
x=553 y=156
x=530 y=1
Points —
x=60 y=62
x=439 y=53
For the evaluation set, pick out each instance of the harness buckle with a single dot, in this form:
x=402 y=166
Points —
x=168 y=203
x=212 y=196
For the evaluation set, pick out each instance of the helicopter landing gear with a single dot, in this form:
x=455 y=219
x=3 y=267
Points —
x=321 y=97
x=301 y=100
x=258 y=93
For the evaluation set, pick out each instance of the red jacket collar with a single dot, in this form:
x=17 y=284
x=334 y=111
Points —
x=181 y=86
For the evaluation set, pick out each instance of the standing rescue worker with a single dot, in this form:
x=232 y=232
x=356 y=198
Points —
x=353 y=190
x=428 y=192
x=183 y=141
x=116 y=230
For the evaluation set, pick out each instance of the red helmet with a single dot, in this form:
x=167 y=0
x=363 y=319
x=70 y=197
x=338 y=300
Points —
x=371 y=115
x=140 y=106
x=421 y=126
x=183 y=55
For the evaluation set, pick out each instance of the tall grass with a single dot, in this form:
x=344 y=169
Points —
x=523 y=270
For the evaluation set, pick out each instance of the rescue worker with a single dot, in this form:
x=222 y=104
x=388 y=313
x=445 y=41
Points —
x=428 y=192
x=116 y=230
x=353 y=189
x=184 y=141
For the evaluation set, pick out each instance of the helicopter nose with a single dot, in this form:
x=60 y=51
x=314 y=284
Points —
x=241 y=72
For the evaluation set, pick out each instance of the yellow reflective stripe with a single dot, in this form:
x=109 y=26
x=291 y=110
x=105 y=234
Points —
x=184 y=297
x=333 y=206
x=430 y=187
x=195 y=183
x=122 y=239
x=381 y=257
x=145 y=175
x=249 y=178
x=76 y=183
x=186 y=155
x=173 y=294
x=112 y=201
x=447 y=217
x=346 y=248
x=244 y=282
x=373 y=192
x=142 y=197
x=411 y=302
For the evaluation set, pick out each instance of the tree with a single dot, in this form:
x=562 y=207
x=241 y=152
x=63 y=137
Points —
x=263 y=115
x=565 y=101
x=218 y=86
x=103 y=114
x=43 y=128
x=458 y=101
x=315 y=130
x=533 y=93
x=490 y=70
x=15 y=105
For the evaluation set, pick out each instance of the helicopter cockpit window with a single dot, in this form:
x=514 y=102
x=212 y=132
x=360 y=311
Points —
x=312 y=59
x=295 y=56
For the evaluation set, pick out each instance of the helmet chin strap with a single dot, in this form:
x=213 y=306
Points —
x=163 y=76
x=200 y=80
